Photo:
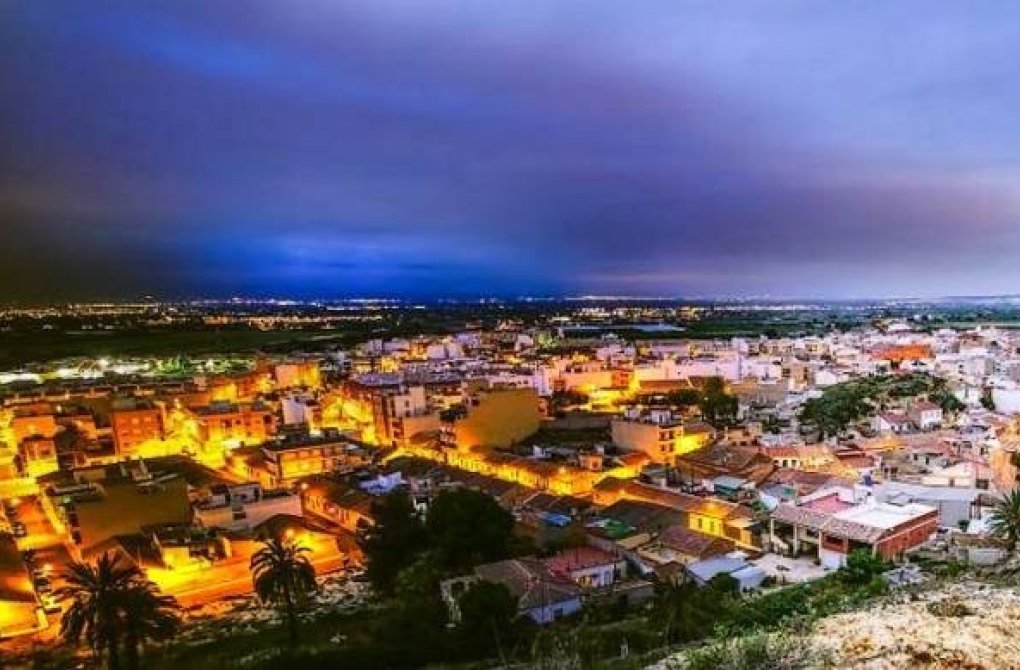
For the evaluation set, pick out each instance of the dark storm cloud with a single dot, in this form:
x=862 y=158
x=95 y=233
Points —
x=318 y=148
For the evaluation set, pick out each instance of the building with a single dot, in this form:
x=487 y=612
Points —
x=497 y=418
x=808 y=457
x=293 y=374
x=234 y=425
x=19 y=611
x=660 y=435
x=542 y=595
x=401 y=414
x=709 y=516
x=680 y=545
x=183 y=546
x=892 y=422
x=31 y=422
x=588 y=567
x=300 y=410
x=241 y=507
x=926 y=415
x=133 y=424
x=97 y=504
x=955 y=505
x=831 y=523
x=340 y=502
x=281 y=463
x=746 y=575
x=38 y=456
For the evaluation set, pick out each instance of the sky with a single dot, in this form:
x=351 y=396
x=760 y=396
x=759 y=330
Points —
x=681 y=148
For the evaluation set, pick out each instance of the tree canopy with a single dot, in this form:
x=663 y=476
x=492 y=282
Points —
x=463 y=528
x=468 y=527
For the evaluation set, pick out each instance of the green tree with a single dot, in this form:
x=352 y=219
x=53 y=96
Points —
x=560 y=401
x=283 y=575
x=487 y=615
x=71 y=439
x=148 y=615
x=688 y=397
x=394 y=541
x=106 y=600
x=862 y=567
x=413 y=626
x=987 y=401
x=468 y=527
x=690 y=612
x=718 y=407
x=1005 y=521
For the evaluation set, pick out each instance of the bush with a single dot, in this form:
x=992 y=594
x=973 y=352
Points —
x=862 y=567
x=759 y=651
x=950 y=607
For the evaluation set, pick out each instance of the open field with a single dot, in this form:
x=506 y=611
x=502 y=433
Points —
x=21 y=347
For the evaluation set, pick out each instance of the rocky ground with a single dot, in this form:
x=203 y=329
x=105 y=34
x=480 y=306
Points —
x=343 y=592
x=967 y=625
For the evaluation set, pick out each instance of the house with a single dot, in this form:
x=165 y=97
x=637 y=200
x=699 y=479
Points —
x=38 y=456
x=133 y=424
x=710 y=516
x=833 y=522
x=788 y=485
x=967 y=474
x=497 y=418
x=717 y=460
x=679 y=546
x=892 y=422
x=588 y=567
x=280 y=463
x=735 y=565
x=926 y=415
x=340 y=502
x=660 y=435
x=809 y=457
x=955 y=505
x=184 y=547
x=240 y=507
x=542 y=595
x=234 y=424
x=97 y=504
x=324 y=541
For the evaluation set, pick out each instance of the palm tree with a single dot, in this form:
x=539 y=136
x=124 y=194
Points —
x=1005 y=521
x=96 y=592
x=283 y=575
x=148 y=615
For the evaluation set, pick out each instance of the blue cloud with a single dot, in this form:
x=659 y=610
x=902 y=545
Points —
x=413 y=147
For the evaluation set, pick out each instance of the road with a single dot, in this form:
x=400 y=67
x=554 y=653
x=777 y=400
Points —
x=41 y=533
x=228 y=579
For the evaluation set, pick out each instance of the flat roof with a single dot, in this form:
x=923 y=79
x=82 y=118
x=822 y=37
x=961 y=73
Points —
x=884 y=515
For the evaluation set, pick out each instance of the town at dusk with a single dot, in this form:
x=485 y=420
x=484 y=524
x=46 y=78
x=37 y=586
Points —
x=524 y=335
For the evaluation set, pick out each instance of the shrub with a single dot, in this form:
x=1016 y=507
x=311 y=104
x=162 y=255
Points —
x=759 y=651
x=950 y=607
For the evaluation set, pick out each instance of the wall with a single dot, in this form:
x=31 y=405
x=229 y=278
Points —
x=254 y=513
x=500 y=418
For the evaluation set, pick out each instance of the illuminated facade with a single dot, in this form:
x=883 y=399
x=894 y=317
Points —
x=497 y=418
x=233 y=425
x=660 y=436
x=135 y=425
